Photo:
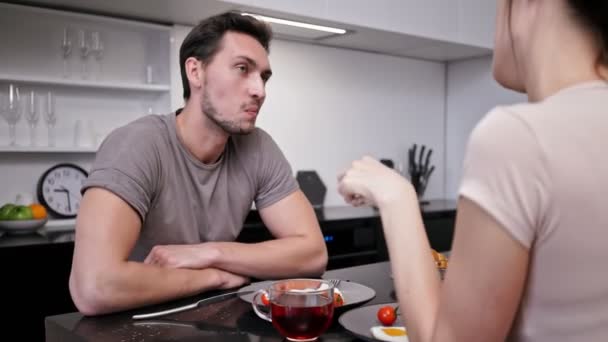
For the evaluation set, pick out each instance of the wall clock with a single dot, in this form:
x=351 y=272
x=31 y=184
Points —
x=59 y=189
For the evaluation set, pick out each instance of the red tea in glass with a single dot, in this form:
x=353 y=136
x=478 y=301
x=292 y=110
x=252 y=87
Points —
x=301 y=323
x=300 y=309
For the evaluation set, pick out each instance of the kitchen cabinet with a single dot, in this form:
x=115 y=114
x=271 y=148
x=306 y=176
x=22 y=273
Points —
x=353 y=236
x=433 y=19
x=425 y=29
x=102 y=72
x=428 y=29
x=36 y=275
x=476 y=21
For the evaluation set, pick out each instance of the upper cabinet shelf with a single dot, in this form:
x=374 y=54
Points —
x=51 y=81
x=102 y=72
x=45 y=47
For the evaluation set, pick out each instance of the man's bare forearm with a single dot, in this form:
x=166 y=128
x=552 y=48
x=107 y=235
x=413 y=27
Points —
x=133 y=284
x=285 y=257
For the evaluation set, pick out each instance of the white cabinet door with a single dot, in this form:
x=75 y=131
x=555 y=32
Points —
x=308 y=8
x=476 y=22
x=424 y=18
x=428 y=29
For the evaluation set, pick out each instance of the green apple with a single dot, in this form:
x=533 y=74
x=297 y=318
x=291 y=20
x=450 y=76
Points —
x=5 y=211
x=22 y=212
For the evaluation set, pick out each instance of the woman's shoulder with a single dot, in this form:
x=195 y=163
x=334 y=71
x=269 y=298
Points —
x=505 y=135
x=570 y=107
x=505 y=120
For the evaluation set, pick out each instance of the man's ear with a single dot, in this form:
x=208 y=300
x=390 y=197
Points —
x=195 y=72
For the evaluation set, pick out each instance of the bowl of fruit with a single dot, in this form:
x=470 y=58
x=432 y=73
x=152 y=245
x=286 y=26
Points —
x=22 y=219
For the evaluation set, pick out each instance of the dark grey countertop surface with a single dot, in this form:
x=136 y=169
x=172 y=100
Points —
x=229 y=320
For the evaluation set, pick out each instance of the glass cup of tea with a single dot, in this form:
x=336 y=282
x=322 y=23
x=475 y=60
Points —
x=300 y=309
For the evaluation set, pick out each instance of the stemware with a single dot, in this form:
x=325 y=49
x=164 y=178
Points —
x=3 y=100
x=32 y=116
x=97 y=51
x=50 y=117
x=85 y=49
x=12 y=112
x=66 y=50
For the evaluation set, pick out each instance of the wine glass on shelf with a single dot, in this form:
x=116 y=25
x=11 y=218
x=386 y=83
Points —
x=66 y=50
x=50 y=117
x=3 y=106
x=83 y=46
x=32 y=116
x=97 y=51
x=12 y=112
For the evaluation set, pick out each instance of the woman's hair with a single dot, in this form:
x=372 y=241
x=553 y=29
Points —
x=594 y=15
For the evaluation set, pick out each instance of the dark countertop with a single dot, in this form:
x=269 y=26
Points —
x=36 y=239
x=229 y=320
x=435 y=208
x=432 y=208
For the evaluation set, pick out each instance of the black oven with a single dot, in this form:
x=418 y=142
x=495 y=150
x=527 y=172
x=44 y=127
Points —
x=353 y=236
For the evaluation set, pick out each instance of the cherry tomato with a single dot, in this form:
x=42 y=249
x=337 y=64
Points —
x=265 y=299
x=338 y=299
x=386 y=315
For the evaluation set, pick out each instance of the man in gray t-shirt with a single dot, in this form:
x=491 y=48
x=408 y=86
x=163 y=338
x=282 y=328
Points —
x=168 y=194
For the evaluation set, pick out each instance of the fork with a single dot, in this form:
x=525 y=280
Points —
x=335 y=282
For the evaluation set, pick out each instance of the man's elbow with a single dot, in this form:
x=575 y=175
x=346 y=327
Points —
x=318 y=263
x=322 y=263
x=88 y=296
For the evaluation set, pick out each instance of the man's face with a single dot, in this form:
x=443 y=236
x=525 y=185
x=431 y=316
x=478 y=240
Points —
x=234 y=83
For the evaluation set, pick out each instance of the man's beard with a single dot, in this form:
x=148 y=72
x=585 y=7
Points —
x=230 y=127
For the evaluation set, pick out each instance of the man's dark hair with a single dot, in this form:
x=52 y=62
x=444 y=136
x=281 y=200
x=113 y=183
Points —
x=203 y=42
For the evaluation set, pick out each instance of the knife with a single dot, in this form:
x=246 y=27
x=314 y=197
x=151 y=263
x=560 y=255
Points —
x=420 y=161
x=410 y=166
x=209 y=300
x=413 y=159
x=426 y=162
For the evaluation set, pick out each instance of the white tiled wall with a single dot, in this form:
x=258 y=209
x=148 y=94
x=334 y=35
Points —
x=327 y=106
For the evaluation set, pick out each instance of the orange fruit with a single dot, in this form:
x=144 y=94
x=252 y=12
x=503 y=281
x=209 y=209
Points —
x=38 y=210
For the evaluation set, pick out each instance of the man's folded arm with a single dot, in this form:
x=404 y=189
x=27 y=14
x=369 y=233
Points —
x=102 y=280
x=297 y=250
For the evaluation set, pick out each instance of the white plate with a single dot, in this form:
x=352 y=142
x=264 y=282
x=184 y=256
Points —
x=21 y=226
x=359 y=321
x=353 y=293
x=60 y=225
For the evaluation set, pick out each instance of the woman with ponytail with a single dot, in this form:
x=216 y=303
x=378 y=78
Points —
x=529 y=255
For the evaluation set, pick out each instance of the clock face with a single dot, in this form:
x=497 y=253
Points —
x=59 y=189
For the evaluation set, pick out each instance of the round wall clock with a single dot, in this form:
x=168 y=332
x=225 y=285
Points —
x=59 y=189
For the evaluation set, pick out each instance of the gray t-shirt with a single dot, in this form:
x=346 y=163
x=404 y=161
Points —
x=179 y=199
